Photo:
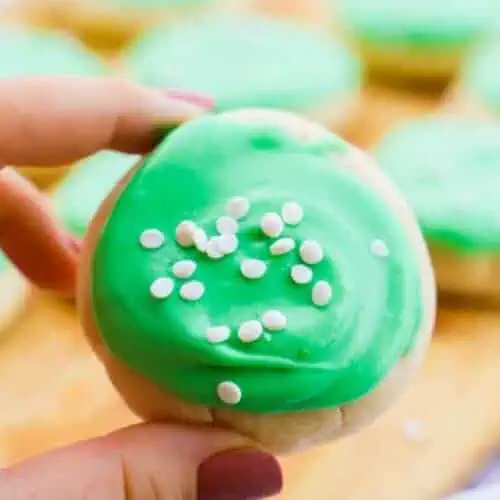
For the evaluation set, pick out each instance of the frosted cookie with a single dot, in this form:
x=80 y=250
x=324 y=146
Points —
x=449 y=170
x=78 y=196
x=108 y=25
x=476 y=91
x=257 y=273
x=424 y=38
x=253 y=61
x=35 y=52
x=14 y=290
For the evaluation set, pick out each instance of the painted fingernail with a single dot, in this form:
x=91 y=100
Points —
x=239 y=475
x=201 y=100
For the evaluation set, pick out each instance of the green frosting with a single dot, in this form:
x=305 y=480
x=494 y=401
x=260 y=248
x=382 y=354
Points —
x=420 y=22
x=326 y=356
x=80 y=194
x=254 y=62
x=481 y=74
x=30 y=52
x=3 y=263
x=449 y=169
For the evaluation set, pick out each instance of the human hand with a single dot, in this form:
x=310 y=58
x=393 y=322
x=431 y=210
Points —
x=48 y=121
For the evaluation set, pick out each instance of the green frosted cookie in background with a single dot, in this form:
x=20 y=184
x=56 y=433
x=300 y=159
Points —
x=252 y=61
x=449 y=170
x=79 y=195
x=424 y=38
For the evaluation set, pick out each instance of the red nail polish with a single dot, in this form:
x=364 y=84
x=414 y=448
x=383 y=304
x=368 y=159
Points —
x=204 y=101
x=239 y=475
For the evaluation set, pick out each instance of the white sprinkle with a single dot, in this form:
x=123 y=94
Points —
x=200 y=240
x=229 y=393
x=253 y=269
x=193 y=290
x=301 y=274
x=184 y=234
x=292 y=213
x=250 y=331
x=282 y=246
x=161 y=288
x=379 y=248
x=228 y=243
x=311 y=252
x=226 y=225
x=217 y=334
x=322 y=293
x=271 y=225
x=213 y=249
x=238 y=207
x=274 y=320
x=184 y=269
x=152 y=238
x=413 y=429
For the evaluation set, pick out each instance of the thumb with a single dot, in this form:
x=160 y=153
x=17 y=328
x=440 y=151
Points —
x=148 y=462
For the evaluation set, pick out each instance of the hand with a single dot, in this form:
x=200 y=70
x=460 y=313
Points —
x=47 y=121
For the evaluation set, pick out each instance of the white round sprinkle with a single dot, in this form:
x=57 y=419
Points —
x=217 y=334
x=184 y=269
x=184 y=234
x=226 y=225
x=322 y=293
x=253 y=269
x=161 y=288
x=379 y=248
x=229 y=393
x=193 y=290
x=274 y=320
x=311 y=252
x=238 y=207
x=301 y=274
x=152 y=238
x=413 y=430
x=282 y=246
x=200 y=240
x=250 y=331
x=213 y=249
x=271 y=225
x=292 y=213
x=228 y=243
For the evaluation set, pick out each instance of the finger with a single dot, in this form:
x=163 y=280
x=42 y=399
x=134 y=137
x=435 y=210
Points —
x=32 y=239
x=53 y=121
x=152 y=461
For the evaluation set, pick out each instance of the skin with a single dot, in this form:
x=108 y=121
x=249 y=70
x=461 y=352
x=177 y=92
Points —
x=39 y=124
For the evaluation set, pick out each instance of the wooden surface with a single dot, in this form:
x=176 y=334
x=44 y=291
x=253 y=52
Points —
x=53 y=391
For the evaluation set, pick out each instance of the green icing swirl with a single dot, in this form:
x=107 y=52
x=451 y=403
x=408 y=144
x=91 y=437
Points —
x=78 y=197
x=449 y=169
x=326 y=356
x=3 y=262
x=420 y=22
x=480 y=76
x=31 y=52
x=251 y=62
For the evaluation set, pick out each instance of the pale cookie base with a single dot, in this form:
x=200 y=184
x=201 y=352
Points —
x=281 y=433
x=475 y=276
x=14 y=292
x=458 y=101
x=400 y=62
x=104 y=28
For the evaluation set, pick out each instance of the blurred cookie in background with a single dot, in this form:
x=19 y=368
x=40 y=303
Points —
x=109 y=25
x=14 y=292
x=424 y=39
x=449 y=170
x=252 y=61
x=476 y=91
x=76 y=199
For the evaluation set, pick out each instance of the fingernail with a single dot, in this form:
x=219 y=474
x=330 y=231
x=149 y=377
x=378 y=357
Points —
x=239 y=475
x=74 y=244
x=201 y=100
